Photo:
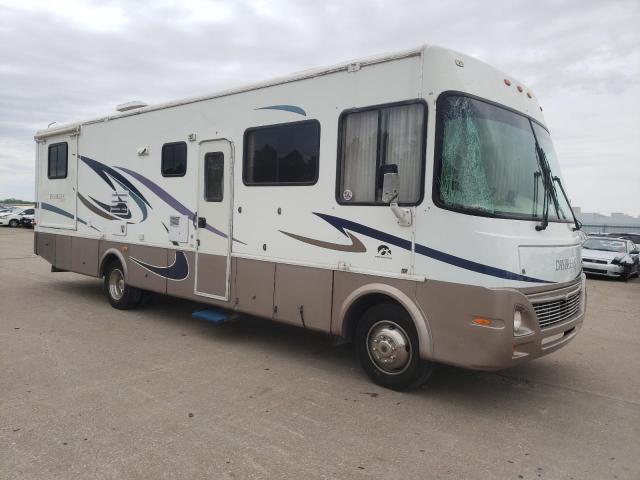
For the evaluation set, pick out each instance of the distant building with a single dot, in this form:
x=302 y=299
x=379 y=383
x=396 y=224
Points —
x=616 y=222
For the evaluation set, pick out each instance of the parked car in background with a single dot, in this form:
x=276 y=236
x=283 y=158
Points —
x=28 y=221
x=634 y=237
x=14 y=217
x=610 y=257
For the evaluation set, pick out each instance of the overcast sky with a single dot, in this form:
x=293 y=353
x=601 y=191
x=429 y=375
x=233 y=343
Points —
x=77 y=59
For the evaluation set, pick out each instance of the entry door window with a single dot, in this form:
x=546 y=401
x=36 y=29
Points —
x=214 y=176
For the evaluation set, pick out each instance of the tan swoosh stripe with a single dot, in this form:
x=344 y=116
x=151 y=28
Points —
x=95 y=209
x=356 y=245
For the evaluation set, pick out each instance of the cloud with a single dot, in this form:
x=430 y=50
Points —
x=78 y=59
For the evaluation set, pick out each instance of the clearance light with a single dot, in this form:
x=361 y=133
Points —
x=520 y=89
x=529 y=95
x=507 y=82
x=484 y=322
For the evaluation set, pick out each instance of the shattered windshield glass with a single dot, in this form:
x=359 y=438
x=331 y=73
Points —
x=488 y=161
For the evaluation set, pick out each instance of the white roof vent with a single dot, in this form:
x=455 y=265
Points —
x=125 y=107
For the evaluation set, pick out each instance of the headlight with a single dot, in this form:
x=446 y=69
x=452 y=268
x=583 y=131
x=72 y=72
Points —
x=4 y=216
x=517 y=323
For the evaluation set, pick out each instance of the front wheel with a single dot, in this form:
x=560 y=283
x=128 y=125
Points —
x=14 y=223
x=388 y=350
x=120 y=295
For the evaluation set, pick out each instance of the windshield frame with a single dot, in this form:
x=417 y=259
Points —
x=437 y=163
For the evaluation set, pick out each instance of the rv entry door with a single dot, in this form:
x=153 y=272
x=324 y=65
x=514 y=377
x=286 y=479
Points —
x=214 y=225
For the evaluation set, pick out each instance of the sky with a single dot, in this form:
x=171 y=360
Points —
x=77 y=59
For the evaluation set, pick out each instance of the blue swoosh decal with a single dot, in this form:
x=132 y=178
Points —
x=54 y=209
x=341 y=224
x=285 y=108
x=64 y=213
x=172 y=201
x=102 y=170
x=178 y=270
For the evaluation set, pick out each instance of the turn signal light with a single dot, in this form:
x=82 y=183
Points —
x=482 y=321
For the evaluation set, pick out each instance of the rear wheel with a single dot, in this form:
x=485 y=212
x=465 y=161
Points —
x=120 y=295
x=388 y=350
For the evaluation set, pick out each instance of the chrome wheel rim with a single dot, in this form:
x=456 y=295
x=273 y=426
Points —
x=389 y=347
x=116 y=284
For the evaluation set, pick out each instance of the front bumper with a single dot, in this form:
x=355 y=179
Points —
x=604 y=269
x=461 y=342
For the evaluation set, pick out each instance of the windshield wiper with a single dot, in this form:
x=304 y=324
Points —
x=549 y=189
x=575 y=219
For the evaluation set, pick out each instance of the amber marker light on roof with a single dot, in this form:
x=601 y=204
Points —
x=520 y=89
x=482 y=321
x=507 y=82
x=529 y=95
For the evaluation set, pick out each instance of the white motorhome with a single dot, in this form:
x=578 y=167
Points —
x=411 y=203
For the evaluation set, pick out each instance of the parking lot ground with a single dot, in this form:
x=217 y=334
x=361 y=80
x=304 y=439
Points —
x=90 y=392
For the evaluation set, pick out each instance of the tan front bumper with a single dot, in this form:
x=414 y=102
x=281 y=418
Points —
x=451 y=309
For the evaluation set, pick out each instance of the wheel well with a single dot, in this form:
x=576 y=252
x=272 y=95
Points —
x=112 y=257
x=361 y=305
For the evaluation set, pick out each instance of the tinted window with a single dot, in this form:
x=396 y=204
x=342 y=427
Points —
x=28 y=212
x=57 y=161
x=282 y=154
x=174 y=159
x=213 y=176
x=371 y=139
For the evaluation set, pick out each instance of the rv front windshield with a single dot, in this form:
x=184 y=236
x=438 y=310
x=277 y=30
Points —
x=487 y=162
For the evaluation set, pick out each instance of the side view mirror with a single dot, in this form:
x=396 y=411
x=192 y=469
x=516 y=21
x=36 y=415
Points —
x=391 y=192
x=390 y=183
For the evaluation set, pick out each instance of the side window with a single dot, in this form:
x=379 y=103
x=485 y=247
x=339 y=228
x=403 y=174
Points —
x=282 y=154
x=213 y=176
x=29 y=211
x=174 y=159
x=374 y=137
x=57 y=161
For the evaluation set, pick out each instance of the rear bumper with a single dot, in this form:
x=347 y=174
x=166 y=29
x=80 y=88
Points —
x=459 y=341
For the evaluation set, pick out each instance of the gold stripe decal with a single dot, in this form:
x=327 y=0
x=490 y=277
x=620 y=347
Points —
x=356 y=245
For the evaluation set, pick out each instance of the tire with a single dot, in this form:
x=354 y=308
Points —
x=119 y=294
x=14 y=223
x=388 y=350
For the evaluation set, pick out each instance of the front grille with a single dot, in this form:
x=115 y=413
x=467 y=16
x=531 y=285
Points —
x=592 y=270
x=556 y=311
x=590 y=260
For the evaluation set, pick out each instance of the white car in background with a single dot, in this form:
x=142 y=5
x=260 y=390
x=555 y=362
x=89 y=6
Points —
x=14 y=217
x=610 y=257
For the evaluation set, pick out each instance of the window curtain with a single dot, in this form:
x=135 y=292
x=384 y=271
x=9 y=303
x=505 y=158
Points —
x=403 y=146
x=359 y=147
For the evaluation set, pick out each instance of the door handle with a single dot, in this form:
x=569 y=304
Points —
x=202 y=222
